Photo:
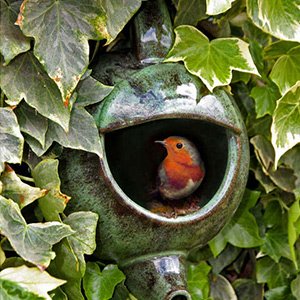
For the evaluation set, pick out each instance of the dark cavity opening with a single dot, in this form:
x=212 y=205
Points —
x=179 y=297
x=134 y=157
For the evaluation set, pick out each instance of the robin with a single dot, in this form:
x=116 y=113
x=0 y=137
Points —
x=182 y=171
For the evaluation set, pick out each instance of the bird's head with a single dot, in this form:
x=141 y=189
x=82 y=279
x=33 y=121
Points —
x=181 y=150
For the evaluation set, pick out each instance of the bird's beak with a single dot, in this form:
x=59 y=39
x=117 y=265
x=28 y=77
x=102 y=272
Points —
x=161 y=142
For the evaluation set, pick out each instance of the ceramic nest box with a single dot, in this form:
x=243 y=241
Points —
x=153 y=101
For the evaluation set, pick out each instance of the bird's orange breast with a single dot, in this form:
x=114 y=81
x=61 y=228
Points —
x=179 y=174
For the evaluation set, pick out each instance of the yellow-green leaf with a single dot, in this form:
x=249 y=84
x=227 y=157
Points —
x=286 y=122
x=212 y=61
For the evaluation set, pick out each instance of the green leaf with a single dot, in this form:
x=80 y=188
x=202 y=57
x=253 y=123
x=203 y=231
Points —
x=13 y=41
x=118 y=12
x=283 y=177
x=224 y=259
x=19 y=192
x=212 y=61
x=11 y=291
x=292 y=159
x=274 y=274
x=197 y=280
x=265 y=99
x=242 y=229
x=276 y=245
x=254 y=33
x=258 y=126
x=91 y=91
x=100 y=285
x=286 y=122
x=293 y=227
x=286 y=71
x=58 y=294
x=31 y=122
x=46 y=176
x=11 y=146
x=190 y=12
x=61 y=43
x=263 y=179
x=84 y=224
x=215 y=7
x=69 y=263
x=221 y=289
x=2 y=256
x=248 y=289
x=281 y=18
x=83 y=132
x=25 y=78
x=279 y=293
x=33 y=242
x=32 y=279
x=295 y=287
x=278 y=49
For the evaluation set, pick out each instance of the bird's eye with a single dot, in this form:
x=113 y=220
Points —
x=179 y=145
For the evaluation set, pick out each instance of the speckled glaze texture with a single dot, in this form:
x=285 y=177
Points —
x=152 y=104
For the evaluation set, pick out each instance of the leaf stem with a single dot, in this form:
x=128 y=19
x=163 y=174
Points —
x=29 y=179
x=95 y=50
x=2 y=99
x=253 y=261
x=3 y=240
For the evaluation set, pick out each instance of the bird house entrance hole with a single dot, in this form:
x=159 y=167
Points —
x=133 y=156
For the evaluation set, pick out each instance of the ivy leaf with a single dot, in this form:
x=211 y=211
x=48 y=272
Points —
x=25 y=78
x=242 y=229
x=190 y=12
x=33 y=242
x=276 y=245
x=278 y=49
x=248 y=289
x=32 y=280
x=31 y=122
x=197 y=280
x=45 y=176
x=215 y=7
x=282 y=22
x=220 y=289
x=101 y=284
x=11 y=146
x=295 y=287
x=118 y=13
x=212 y=61
x=285 y=128
x=2 y=256
x=281 y=292
x=292 y=160
x=286 y=71
x=283 y=177
x=274 y=274
x=83 y=132
x=69 y=263
x=263 y=179
x=61 y=30
x=13 y=41
x=10 y=290
x=265 y=99
x=294 y=227
x=224 y=259
x=84 y=238
x=91 y=91
x=58 y=294
x=19 y=192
